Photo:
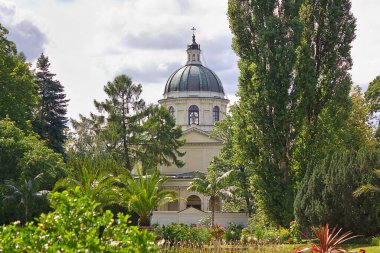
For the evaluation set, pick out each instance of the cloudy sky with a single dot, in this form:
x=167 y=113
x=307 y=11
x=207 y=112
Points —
x=89 y=42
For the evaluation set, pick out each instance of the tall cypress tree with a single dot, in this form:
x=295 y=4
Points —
x=324 y=62
x=294 y=90
x=51 y=120
x=267 y=33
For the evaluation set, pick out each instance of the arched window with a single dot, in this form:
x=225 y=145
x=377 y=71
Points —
x=171 y=110
x=193 y=115
x=215 y=114
x=194 y=201
x=193 y=57
x=198 y=57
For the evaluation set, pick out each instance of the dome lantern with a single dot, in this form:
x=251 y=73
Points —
x=193 y=52
x=194 y=79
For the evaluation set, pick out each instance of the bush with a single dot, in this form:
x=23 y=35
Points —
x=75 y=226
x=183 y=233
x=326 y=192
x=216 y=231
x=261 y=234
x=375 y=241
x=233 y=232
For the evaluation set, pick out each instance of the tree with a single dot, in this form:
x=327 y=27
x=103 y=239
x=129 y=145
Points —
x=23 y=157
x=369 y=187
x=94 y=178
x=123 y=108
x=132 y=132
x=326 y=192
x=160 y=139
x=229 y=159
x=323 y=69
x=50 y=122
x=293 y=87
x=24 y=193
x=266 y=36
x=86 y=139
x=211 y=184
x=18 y=98
x=372 y=96
x=144 y=193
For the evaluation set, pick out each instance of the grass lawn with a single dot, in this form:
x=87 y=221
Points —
x=368 y=249
x=282 y=248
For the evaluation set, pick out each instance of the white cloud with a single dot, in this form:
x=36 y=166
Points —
x=89 y=42
x=30 y=39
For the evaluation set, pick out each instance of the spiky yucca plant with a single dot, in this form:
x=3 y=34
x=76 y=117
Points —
x=329 y=241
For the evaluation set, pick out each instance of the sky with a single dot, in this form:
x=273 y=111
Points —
x=90 y=42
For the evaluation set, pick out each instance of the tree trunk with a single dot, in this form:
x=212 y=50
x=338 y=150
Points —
x=212 y=211
x=144 y=221
x=125 y=144
x=26 y=214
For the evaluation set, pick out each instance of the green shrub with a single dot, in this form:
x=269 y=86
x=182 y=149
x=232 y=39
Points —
x=261 y=234
x=76 y=226
x=375 y=241
x=233 y=232
x=326 y=194
x=183 y=233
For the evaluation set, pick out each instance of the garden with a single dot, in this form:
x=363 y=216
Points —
x=299 y=152
x=76 y=225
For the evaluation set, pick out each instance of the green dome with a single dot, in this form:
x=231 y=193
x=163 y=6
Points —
x=194 y=77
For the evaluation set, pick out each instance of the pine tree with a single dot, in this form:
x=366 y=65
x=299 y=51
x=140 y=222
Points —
x=123 y=108
x=134 y=132
x=51 y=121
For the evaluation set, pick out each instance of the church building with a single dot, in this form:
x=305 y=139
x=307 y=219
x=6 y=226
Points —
x=195 y=97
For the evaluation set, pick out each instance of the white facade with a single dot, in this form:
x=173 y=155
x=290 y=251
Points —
x=196 y=102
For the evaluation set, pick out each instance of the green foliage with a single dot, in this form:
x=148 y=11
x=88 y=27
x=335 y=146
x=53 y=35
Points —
x=375 y=241
x=326 y=192
x=372 y=96
x=23 y=155
x=24 y=194
x=211 y=184
x=127 y=131
x=18 y=95
x=233 y=232
x=183 y=233
x=294 y=93
x=76 y=226
x=50 y=122
x=160 y=140
x=123 y=107
x=22 y=158
x=144 y=194
x=94 y=178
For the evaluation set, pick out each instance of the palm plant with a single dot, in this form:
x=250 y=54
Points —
x=144 y=193
x=24 y=193
x=94 y=182
x=211 y=184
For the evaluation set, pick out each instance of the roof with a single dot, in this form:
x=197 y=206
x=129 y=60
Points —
x=194 y=77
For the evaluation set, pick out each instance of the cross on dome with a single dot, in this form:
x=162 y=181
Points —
x=193 y=29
